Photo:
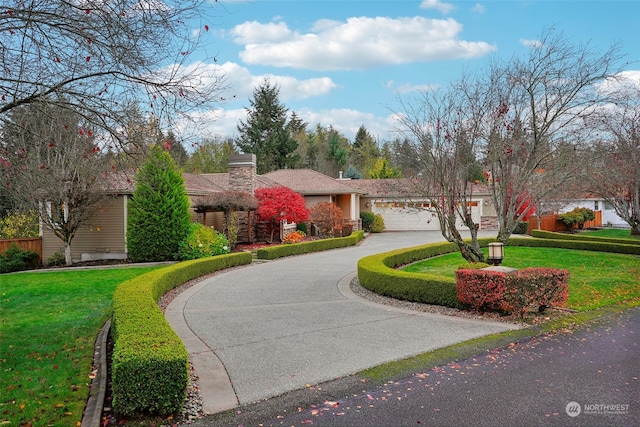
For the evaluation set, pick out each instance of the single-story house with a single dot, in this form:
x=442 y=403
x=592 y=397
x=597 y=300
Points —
x=396 y=200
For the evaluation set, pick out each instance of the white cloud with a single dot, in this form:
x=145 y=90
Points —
x=531 y=43
x=478 y=8
x=438 y=5
x=625 y=81
x=253 y=32
x=405 y=88
x=358 y=43
x=348 y=121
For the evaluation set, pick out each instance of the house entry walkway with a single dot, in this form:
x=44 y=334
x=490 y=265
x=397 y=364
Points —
x=259 y=331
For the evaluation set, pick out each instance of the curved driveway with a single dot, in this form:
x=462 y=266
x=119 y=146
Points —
x=269 y=328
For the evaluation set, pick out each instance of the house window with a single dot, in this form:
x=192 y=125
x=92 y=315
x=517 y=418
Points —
x=596 y=205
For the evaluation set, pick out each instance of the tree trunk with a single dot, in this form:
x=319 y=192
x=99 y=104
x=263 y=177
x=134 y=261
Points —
x=67 y=253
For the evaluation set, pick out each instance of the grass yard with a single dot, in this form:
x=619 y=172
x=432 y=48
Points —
x=618 y=233
x=597 y=278
x=49 y=324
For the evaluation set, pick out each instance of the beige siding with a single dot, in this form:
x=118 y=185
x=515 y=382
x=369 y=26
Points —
x=103 y=234
x=311 y=201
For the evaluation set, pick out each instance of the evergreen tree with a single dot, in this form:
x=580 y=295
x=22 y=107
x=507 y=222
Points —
x=159 y=216
x=266 y=132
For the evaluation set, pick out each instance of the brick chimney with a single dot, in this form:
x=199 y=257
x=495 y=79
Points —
x=242 y=172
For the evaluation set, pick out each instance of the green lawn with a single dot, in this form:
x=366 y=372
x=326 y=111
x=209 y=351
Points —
x=49 y=324
x=618 y=233
x=597 y=278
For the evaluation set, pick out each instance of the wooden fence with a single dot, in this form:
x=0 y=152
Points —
x=31 y=243
x=553 y=223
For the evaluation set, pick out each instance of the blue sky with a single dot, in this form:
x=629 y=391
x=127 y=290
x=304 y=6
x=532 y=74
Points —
x=344 y=63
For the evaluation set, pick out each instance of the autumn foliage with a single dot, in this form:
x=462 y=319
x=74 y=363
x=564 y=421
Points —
x=515 y=292
x=280 y=204
x=327 y=216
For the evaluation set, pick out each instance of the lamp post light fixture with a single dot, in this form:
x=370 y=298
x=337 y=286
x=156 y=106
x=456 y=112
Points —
x=496 y=253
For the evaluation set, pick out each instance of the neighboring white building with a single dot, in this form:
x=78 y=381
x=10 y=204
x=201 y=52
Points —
x=609 y=216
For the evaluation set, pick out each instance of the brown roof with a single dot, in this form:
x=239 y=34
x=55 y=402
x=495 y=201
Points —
x=398 y=187
x=309 y=182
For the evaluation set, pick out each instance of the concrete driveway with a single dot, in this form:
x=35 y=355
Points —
x=259 y=331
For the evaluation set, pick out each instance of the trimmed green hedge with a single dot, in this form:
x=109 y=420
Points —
x=150 y=363
x=579 y=244
x=378 y=272
x=581 y=237
x=280 y=251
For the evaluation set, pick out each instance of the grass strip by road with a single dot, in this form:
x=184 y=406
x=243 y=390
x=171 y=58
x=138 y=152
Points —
x=49 y=324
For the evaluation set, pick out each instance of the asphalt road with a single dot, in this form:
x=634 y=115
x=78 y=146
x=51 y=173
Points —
x=583 y=377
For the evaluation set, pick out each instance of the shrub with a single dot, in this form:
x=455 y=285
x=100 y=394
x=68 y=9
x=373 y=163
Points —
x=202 y=242
x=367 y=220
x=16 y=224
x=327 y=217
x=302 y=226
x=521 y=227
x=150 y=363
x=294 y=237
x=159 y=218
x=16 y=259
x=582 y=237
x=56 y=259
x=280 y=251
x=578 y=217
x=481 y=289
x=544 y=287
x=378 y=224
x=514 y=292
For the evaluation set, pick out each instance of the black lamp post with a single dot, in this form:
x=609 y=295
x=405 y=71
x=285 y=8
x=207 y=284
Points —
x=496 y=253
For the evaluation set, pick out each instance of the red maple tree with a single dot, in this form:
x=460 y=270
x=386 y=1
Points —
x=280 y=204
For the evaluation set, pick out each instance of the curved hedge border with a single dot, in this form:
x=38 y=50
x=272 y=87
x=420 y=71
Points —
x=378 y=272
x=563 y=236
x=280 y=251
x=150 y=363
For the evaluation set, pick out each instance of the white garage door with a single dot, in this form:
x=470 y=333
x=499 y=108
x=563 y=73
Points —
x=407 y=216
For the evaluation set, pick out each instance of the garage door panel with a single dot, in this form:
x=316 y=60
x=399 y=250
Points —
x=407 y=216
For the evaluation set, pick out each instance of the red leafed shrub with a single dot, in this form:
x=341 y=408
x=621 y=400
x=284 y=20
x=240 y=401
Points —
x=280 y=204
x=481 y=289
x=514 y=292
x=544 y=287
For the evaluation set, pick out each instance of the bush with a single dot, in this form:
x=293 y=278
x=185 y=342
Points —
x=578 y=217
x=280 y=251
x=521 y=227
x=514 y=292
x=481 y=289
x=302 y=226
x=378 y=224
x=159 y=218
x=579 y=244
x=544 y=287
x=56 y=259
x=582 y=237
x=16 y=259
x=294 y=237
x=327 y=217
x=367 y=220
x=150 y=363
x=202 y=242
x=16 y=225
